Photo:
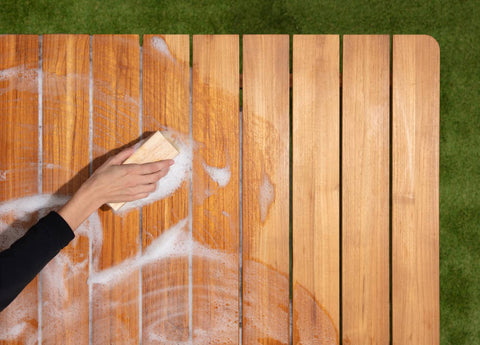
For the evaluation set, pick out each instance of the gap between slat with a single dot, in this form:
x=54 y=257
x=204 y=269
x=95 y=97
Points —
x=290 y=200
x=390 y=220
x=340 y=188
x=240 y=224
x=40 y=165
x=140 y=213
x=190 y=205
x=90 y=153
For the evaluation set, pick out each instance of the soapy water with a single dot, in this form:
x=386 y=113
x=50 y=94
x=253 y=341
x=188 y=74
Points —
x=164 y=323
x=160 y=328
x=220 y=175
x=161 y=46
x=266 y=196
x=174 y=243
x=21 y=78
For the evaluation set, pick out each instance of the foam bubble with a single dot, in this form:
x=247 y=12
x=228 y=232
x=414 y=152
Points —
x=51 y=166
x=25 y=206
x=20 y=210
x=15 y=331
x=266 y=196
x=219 y=175
x=160 y=45
x=21 y=78
x=174 y=242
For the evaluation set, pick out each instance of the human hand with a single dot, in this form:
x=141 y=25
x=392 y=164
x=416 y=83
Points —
x=113 y=182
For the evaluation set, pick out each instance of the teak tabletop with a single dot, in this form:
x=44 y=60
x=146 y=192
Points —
x=335 y=172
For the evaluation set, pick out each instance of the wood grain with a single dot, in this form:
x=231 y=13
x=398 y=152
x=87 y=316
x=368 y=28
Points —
x=19 y=164
x=65 y=311
x=265 y=189
x=316 y=174
x=116 y=79
x=365 y=194
x=215 y=207
x=415 y=190
x=166 y=104
x=215 y=214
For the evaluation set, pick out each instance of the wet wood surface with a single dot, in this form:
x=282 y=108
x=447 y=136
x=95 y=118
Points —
x=316 y=162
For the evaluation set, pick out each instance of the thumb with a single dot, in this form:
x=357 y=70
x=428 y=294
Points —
x=120 y=157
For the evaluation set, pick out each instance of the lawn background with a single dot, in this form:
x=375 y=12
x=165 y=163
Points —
x=454 y=24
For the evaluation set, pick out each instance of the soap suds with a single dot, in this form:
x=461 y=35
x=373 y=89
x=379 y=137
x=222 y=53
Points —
x=52 y=166
x=221 y=293
x=58 y=306
x=16 y=217
x=20 y=315
x=21 y=78
x=23 y=207
x=25 y=79
x=266 y=196
x=174 y=242
x=15 y=331
x=160 y=45
x=30 y=167
x=20 y=210
x=219 y=175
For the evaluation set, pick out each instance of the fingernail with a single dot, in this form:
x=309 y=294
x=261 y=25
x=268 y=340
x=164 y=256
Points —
x=171 y=161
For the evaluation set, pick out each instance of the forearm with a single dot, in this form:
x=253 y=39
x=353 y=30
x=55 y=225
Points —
x=83 y=203
x=20 y=263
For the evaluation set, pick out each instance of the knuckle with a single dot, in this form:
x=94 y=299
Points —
x=158 y=166
x=155 y=166
x=145 y=168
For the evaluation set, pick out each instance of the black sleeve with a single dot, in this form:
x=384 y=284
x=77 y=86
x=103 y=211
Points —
x=20 y=263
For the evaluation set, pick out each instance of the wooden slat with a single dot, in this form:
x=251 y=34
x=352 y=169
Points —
x=166 y=103
x=415 y=193
x=265 y=189
x=19 y=164
x=316 y=153
x=365 y=194
x=216 y=207
x=65 y=168
x=116 y=79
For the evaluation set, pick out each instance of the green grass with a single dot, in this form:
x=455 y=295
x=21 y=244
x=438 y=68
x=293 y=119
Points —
x=455 y=25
